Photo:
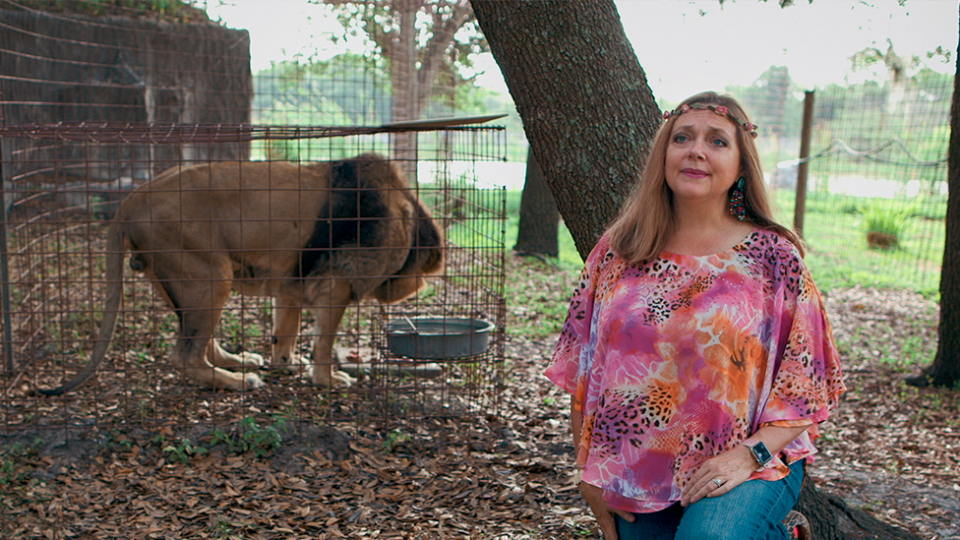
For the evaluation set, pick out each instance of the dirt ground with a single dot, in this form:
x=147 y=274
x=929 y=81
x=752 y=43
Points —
x=890 y=449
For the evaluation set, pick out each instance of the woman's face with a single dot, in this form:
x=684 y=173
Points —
x=703 y=158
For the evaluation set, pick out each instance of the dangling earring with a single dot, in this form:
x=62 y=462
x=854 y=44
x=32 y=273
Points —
x=737 y=207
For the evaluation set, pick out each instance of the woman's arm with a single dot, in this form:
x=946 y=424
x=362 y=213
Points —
x=735 y=466
x=592 y=494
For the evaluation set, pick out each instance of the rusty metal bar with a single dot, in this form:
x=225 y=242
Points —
x=130 y=132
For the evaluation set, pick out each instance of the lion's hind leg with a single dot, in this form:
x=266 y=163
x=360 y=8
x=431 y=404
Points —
x=191 y=358
x=329 y=311
x=198 y=303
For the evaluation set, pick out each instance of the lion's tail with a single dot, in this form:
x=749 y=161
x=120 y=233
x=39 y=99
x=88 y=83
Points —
x=115 y=249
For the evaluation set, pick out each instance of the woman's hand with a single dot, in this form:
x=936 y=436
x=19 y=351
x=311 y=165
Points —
x=602 y=511
x=735 y=466
x=731 y=468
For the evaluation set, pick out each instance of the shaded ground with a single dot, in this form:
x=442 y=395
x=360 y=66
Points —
x=890 y=449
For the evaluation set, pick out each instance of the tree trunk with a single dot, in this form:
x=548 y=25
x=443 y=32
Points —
x=539 y=217
x=831 y=519
x=945 y=370
x=590 y=117
x=403 y=76
x=586 y=107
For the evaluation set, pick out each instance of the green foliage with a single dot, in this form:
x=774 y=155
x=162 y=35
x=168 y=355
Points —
x=183 y=452
x=377 y=24
x=14 y=469
x=261 y=440
x=346 y=90
x=569 y=258
x=250 y=437
x=236 y=331
x=394 y=439
x=222 y=528
x=355 y=88
x=539 y=293
x=885 y=224
x=774 y=101
x=118 y=439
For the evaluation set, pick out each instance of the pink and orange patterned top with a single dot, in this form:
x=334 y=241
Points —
x=682 y=358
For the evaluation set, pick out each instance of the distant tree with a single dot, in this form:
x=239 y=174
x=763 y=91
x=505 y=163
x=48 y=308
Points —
x=539 y=226
x=422 y=41
x=767 y=100
x=325 y=92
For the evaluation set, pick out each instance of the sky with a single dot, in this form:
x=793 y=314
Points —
x=683 y=46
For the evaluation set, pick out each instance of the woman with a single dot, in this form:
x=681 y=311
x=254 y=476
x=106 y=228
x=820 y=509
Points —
x=697 y=351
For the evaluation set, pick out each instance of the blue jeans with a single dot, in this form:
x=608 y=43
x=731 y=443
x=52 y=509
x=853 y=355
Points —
x=751 y=511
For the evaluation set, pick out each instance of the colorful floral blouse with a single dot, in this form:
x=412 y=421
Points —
x=682 y=358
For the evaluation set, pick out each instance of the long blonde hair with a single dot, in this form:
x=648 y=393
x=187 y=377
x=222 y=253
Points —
x=646 y=219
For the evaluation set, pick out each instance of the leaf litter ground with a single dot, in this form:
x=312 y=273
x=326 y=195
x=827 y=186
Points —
x=890 y=449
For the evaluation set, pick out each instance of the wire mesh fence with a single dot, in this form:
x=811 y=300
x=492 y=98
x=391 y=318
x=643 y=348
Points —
x=152 y=102
x=877 y=188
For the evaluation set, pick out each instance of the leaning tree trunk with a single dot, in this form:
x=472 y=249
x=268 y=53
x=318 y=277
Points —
x=539 y=217
x=945 y=370
x=586 y=107
x=590 y=117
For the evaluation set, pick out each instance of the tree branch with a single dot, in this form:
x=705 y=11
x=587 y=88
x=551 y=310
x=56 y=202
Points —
x=432 y=57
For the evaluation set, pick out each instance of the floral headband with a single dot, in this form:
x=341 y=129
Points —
x=719 y=109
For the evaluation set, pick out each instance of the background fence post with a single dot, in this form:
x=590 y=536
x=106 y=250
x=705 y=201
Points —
x=800 y=207
x=5 y=304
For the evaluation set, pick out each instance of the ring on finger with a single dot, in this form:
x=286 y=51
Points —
x=718 y=482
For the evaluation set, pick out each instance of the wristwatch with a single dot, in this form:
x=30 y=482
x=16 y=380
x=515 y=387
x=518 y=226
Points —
x=760 y=453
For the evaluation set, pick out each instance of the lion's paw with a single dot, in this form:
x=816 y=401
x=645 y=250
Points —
x=342 y=378
x=251 y=381
x=337 y=379
x=296 y=366
x=250 y=359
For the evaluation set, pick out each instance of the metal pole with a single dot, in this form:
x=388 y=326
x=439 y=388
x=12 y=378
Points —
x=800 y=207
x=4 y=253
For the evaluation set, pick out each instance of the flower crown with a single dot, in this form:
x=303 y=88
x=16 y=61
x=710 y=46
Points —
x=719 y=109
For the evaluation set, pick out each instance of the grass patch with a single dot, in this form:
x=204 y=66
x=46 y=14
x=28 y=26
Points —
x=885 y=225
x=839 y=255
x=538 y=294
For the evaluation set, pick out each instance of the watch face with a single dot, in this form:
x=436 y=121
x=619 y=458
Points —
x=761 y=453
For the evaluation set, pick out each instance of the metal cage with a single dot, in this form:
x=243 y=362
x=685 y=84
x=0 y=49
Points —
x=63 y=182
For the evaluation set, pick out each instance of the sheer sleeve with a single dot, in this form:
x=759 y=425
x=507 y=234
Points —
x=571 y=358
x=808 y=380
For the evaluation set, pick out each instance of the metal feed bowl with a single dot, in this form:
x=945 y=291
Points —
x=437 y=338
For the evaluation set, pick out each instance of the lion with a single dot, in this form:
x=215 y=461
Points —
x=321 y=236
